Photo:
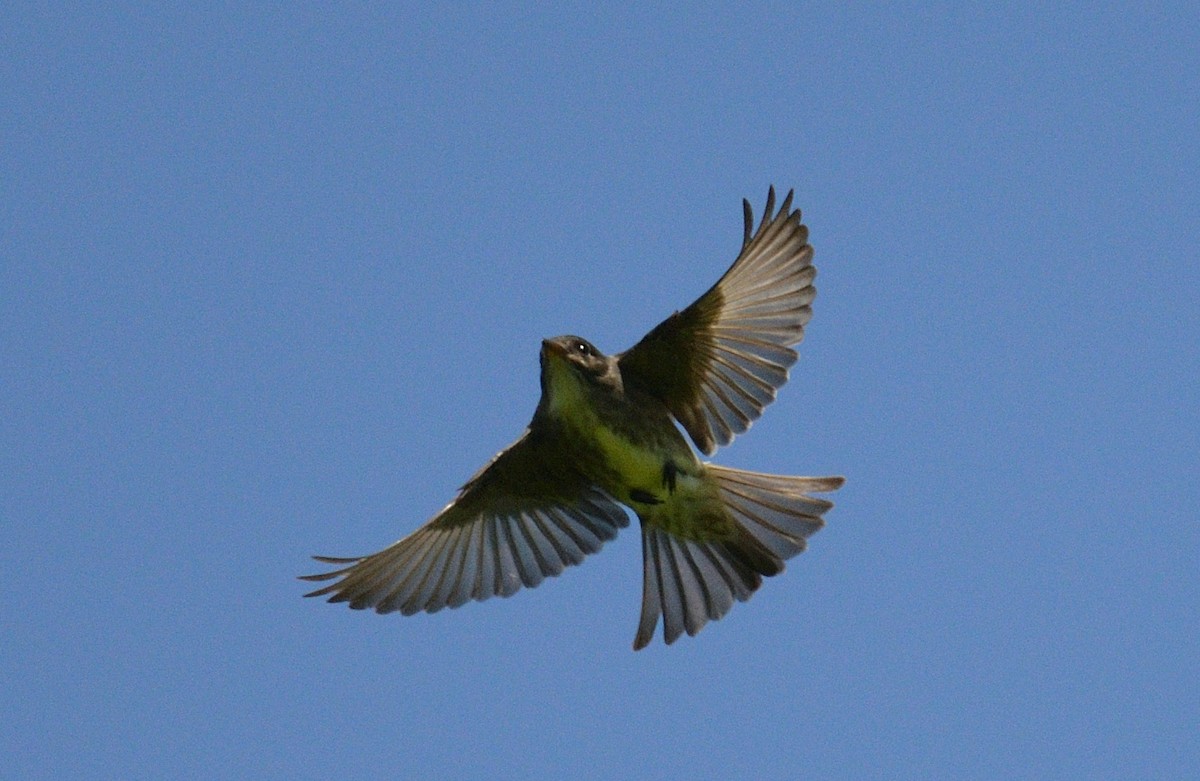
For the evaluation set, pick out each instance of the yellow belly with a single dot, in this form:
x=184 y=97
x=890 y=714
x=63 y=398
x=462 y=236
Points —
x=630 y=466
x=637 y=466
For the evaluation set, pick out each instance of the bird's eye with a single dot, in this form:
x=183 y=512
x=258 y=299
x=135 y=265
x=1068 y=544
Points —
x=583 y=348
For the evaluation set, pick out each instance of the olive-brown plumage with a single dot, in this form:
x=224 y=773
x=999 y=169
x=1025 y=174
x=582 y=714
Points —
x=604 y=435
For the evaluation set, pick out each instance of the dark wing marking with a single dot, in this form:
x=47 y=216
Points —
x=719 y=362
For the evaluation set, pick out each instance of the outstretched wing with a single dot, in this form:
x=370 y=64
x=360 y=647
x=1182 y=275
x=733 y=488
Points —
x=522 y=518
x=719 y=362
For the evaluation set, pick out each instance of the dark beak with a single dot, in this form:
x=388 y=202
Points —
x=553 y=348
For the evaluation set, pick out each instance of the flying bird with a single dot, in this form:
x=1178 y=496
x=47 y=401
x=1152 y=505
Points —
x=604 y=436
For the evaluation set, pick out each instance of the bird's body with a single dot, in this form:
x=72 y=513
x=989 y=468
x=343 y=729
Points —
x=605 y=432
x=624 y=440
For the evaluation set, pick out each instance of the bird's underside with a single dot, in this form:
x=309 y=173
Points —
x=603 y=436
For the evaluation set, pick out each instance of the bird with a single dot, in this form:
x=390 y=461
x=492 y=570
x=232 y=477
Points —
x=604 y=437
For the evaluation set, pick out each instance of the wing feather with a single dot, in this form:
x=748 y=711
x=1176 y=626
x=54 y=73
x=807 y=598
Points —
x=522 y=518
x=751 y=319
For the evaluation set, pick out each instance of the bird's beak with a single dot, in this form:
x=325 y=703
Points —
x=553 y=348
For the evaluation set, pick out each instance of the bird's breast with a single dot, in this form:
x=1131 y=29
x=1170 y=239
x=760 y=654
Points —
x=638 y=464
x=625 y=444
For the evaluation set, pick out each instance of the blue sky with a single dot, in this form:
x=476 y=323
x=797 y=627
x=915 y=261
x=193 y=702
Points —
x=273 y=280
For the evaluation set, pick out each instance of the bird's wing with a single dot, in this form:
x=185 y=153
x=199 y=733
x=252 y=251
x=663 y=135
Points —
x=521 y=518
x=718 y=363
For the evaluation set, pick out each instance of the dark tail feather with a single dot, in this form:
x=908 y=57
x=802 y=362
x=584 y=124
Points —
x=691 y=582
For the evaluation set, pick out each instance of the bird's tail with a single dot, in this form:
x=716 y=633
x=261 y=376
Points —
x=691 y=582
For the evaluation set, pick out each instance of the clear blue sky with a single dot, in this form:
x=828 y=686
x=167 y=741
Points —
x=272 y=283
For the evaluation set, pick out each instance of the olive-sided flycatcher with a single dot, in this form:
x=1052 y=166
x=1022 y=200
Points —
x=604 y=435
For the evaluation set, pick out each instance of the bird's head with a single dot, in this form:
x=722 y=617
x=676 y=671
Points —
x=576 y=352
x=572 y=367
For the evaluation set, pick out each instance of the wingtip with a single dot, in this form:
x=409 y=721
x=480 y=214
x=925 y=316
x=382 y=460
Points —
x=322 y=576
x=831 y=483
x=321 y=591
x=786 y=208
x=337 y=559
x=770 y=215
